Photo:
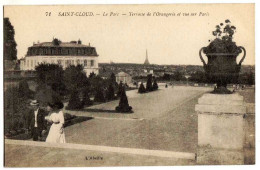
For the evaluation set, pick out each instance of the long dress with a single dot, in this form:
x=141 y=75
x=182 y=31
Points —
x=55 y=134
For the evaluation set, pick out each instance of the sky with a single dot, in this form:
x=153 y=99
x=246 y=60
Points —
x=124 y=38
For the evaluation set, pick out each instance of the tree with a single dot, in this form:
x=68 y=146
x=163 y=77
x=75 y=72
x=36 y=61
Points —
x=92 y=74
x=86 y=99
x=74 y=102
x=99 y=96
x=15 y=109
x=120 y=88
x=123 y=103
x=96 y=81
x=251 y=78
x=75 y=78
x=247 y=78
x=51 y=75
x=10 y=52
x=178 y=76
x=113 y=78
x=198 y=77
x=141 y=88
x=24 y=90
x=155 y=85
x=110 y=92
x=166 y=76
x=149 y=86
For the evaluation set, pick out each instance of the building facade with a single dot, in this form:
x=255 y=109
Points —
x=62 y=53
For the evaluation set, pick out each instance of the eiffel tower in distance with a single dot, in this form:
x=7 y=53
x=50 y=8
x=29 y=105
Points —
x=146 y=62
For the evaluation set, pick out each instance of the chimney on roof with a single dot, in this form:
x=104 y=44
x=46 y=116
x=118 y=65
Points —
x=79 y=41
x=88 y=44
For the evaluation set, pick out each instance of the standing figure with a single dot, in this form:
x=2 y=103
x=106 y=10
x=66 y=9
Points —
x=56 y=133
x=36 y=122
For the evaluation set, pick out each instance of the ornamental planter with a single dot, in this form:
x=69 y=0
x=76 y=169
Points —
x=222 y=69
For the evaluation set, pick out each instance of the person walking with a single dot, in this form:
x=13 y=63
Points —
x=36 y=122
x=56 y=133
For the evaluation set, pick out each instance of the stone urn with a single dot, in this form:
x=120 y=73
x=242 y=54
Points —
x=222 y=68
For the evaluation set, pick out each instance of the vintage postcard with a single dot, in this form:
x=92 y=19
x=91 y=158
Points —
x=129 y=85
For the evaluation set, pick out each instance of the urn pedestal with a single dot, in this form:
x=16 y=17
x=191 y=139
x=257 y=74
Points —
x=221 y=134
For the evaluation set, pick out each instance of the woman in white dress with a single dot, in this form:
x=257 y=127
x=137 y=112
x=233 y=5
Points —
x=56 y=133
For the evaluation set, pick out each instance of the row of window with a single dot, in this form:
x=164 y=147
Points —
x=64 y=63
x=61 y=51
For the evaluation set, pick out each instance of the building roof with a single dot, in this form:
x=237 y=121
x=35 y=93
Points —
x=62 y=44
x=57 y=47
x=122 y=74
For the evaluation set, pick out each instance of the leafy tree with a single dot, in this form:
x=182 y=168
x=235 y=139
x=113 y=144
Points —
x=113 y=78
x=178 y=76
x=99 y=96
x=92 y=74
x=86 y=99
x=110 y=92
x=74 y=102
x=51 y=75
x=198 y=77
x=155 y=85
x=166 y=76
x=247 y=78
x=251 y=78
x=24 y=90
x=75 y=78
x=45 y=94
x=10 y=52
x=96 y=81
x=141 y=88
x=149 y=86
x=15 y=109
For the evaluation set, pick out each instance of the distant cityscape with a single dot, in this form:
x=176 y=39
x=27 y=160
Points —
x=136 y=70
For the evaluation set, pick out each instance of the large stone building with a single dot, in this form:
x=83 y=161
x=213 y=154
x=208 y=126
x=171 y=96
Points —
x=62 y=53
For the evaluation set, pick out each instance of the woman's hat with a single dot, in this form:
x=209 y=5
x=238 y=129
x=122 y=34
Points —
x=34 y=103
x=56 y=105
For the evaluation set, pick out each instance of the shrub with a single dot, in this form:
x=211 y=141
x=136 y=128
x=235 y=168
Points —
x=75 y=78
x=86 y=99
x=74 y=102
x=99 y=96
x=15 y=109
x=123 y=103
x=141 y=88
x=110 y=92
x=24 y=90
x=120 y=89
x=149 y=86
x=51 y=75
x=155 y=85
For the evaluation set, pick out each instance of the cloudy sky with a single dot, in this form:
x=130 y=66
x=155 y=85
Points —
x=124 y=38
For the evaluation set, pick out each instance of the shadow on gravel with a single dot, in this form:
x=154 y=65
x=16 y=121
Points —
x=105 y=111
x=76 y=120
x=100 y=110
